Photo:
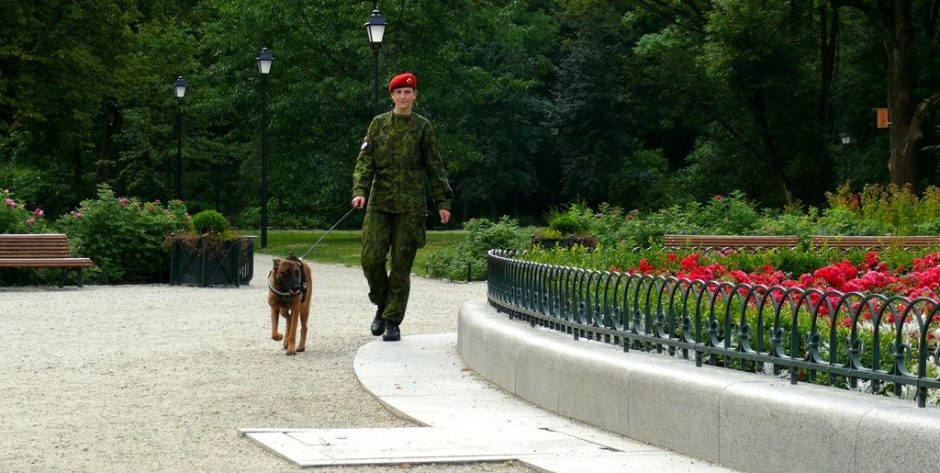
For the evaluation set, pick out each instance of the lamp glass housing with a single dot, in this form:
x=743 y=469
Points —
x=180 y=87
x=375 y=27
x=265 y=59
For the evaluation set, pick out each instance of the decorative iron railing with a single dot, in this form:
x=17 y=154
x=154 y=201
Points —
x=866 y=342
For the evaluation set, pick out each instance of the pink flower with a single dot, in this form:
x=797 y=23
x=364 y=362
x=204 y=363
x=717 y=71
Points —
x=38 y=212
x=31 y=221
x=10 y=203
x=123 y=201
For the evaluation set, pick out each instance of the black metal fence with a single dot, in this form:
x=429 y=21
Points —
x=866 y=342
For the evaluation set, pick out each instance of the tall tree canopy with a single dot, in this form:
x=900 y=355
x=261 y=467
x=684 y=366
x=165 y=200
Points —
x=639 y=103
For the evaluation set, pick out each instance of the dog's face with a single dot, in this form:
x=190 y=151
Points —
x=287 y=276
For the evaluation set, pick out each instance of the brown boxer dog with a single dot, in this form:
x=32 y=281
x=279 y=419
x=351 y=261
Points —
x=289 y=293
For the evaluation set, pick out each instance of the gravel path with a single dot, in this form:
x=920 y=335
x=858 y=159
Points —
x=158 y=378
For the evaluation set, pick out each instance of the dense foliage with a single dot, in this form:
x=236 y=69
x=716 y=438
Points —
x=123 y=236
x=536 y=103
x=467 y=260
x=608 y=237
x=875 y=210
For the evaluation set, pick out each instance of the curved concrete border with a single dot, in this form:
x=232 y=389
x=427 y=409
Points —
x=739 y=420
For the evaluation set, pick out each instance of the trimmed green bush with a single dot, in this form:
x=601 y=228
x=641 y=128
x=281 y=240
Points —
x=565 y=224
x=210 y=221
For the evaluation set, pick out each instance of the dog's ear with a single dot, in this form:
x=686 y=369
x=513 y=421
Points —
x=277 y=261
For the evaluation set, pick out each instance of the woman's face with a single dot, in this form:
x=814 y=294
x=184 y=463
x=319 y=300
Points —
x=404 y=98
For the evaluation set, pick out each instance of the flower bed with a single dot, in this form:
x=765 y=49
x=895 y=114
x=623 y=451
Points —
x=863 y=314
x=871 y=275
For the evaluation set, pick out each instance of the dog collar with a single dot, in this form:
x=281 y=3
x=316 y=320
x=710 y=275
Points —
x=277 y=291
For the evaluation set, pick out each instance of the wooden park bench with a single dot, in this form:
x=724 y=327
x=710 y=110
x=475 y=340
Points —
x=818 y=242
x=707 y=243
x=41 y=250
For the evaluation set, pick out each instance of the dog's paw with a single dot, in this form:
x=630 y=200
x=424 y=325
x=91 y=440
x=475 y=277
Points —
x=291 y=353
x=276 y=337
x=301 y=349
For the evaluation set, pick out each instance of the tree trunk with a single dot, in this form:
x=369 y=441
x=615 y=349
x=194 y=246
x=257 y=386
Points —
x=828 y=36
x=757 y=104
x=77 y=185
x=899 y=49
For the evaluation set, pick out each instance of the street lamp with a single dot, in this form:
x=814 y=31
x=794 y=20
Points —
x=846 y=141
x=375 y=27
x=264 y=60
x=179 y=88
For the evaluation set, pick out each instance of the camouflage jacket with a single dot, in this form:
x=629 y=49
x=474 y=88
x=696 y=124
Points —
x=397 y=159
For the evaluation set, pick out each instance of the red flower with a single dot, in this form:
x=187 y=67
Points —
x=690 y=262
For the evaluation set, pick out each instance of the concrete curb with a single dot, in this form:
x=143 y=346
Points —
x=739 y=420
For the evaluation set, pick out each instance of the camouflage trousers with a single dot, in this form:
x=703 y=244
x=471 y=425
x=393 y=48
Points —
x=396 y=237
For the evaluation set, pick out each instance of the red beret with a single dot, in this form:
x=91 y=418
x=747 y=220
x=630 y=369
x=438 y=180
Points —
x=403 y=80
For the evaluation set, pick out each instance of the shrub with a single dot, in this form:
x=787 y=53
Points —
x=547 y=234
x=124 y=237
x=470 y=254
x=791 y=222
x=881 y=209
x=565 y=224
x=15 y=218
x=210 y=221
x=725 y=215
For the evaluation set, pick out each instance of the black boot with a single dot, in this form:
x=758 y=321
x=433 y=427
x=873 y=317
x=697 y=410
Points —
x=378 y=323
x=392 y=332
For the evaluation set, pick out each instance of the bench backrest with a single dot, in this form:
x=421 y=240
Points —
x=46 y=245
x=730 y=241
x=855 y=241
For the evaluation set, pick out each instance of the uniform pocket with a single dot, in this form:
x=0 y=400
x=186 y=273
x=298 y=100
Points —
x=380 y=148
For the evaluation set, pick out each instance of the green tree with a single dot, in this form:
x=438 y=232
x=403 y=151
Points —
x=910 y=57
x=57 y=93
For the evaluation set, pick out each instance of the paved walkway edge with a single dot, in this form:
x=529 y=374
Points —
x=740 y=420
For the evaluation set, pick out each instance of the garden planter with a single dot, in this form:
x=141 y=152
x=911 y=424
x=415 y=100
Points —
x=210 y=262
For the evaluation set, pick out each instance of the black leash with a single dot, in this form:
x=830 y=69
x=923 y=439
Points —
x=328 y=232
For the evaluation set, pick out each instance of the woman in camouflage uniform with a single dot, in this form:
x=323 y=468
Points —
x=397 y=160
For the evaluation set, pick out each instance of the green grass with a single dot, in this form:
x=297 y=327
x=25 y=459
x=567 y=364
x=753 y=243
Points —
x=343 y=246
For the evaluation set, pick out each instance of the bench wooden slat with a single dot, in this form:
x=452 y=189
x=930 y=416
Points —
x=864 y=241
x=709 y=242
x=44 y=262
x=721 y=242
x=38 y=250
x=34 y=254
